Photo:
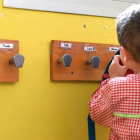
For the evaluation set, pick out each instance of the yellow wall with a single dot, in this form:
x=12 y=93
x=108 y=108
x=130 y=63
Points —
x=36 y=108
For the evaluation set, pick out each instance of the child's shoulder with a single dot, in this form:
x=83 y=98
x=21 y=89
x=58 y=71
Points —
x=128 y=79
x=121 y=81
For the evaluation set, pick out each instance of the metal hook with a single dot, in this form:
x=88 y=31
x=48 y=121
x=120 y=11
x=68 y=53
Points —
x=66 y=60
x=17 y=60
x=95 y=61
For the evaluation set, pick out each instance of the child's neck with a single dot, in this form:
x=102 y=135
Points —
x=136 y=68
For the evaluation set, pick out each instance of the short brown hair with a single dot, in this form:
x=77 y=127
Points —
x=128 y=30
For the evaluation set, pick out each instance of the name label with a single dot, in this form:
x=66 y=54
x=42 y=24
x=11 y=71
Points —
x=6 y=46
x=89 y=49
x=113 y=49
x=66 y=45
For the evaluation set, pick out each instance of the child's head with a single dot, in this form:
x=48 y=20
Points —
x=128 y=31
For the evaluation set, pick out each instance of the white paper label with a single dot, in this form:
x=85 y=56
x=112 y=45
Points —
x=66 y=45
x=6 y=46
x=89 y=49
x=113 y=49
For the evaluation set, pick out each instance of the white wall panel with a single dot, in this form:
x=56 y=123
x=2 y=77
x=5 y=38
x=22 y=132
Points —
x=107 y=8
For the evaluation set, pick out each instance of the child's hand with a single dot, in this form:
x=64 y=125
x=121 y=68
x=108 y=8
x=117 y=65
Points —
x=115 y=69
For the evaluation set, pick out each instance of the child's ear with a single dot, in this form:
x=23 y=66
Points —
x=126 y=54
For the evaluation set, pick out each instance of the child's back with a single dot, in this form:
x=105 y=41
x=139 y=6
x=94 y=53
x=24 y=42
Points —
x=116 y=104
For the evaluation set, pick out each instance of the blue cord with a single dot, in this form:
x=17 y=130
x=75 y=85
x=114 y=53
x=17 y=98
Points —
x=91 y=129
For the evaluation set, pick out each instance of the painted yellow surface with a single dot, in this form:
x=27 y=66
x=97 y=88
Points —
x=36 y=108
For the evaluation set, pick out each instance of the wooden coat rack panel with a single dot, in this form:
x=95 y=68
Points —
x=8 y=72
x=80 y=52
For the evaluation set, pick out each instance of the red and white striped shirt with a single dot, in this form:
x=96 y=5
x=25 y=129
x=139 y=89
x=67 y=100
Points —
x=116 y=104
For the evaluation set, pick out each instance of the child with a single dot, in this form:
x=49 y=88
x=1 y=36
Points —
x=116 y=103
